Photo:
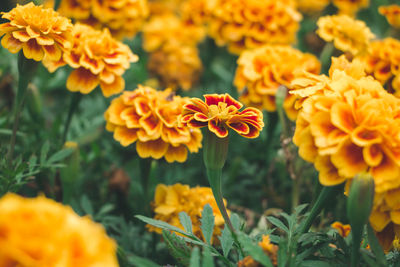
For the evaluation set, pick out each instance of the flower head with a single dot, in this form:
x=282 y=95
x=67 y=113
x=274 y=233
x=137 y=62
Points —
x=246 y=24
x=39 y=32
x=392 y=14
x=97 y=59
x=260 y=72
x=170 y=200
x=149 y=118
x=350 y=7
x=347 y=34
x=54 y=236
x=343 y=229
x=221 y=113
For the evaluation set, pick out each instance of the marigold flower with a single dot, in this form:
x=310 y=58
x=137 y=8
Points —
x=176 y=66
x=196 y=12
x=350 y=7
x=221 y=112
x=260 y=72
x=246 y=24
x=150 y=118
x=392 y=14
x=170 y=200
x=347 y=34
x=54 y=236
x=311 y=6
x=39 y=32
x=97 y=58
x=343 y=229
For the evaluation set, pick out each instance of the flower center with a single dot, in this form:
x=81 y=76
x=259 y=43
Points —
x=222 y=112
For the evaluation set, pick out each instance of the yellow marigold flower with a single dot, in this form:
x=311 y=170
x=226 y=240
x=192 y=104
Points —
x=260 y=72
x=196 y=12
x=383 y=63
x=150 y=118
x=270 y=249
x=176 y=66
x=350 y=7
x=97 y=59
x=42 y=232
x=246 y=24
x=221 y=113
x=170 y=200
x=347 y=34
x=312 y=6
x=343 y=229
x=39 y=32
x=392 y=14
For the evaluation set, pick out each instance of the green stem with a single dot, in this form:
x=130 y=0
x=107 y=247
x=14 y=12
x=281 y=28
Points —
x=57 y=4
x=75 y=100
x=295 y=193
x=326 y=195
x=355 y=251
x=325 y=56
x=146 y=166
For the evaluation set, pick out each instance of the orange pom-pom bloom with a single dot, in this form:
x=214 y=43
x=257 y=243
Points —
x=392 y=14
x=150 y=118
x=97 y=59
x=39 y=32
x=41 y=232
x=221 y=113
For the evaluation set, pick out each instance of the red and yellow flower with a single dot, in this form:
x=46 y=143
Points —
x=39 y=32
x=149 y=118
x=221 y=113
x=97 y=59
x=392 y=14
x=260 y=72
x=343 y=229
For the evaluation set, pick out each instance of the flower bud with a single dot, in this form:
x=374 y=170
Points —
x=215 y=151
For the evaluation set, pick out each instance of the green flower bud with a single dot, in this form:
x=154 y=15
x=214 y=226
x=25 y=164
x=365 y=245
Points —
x=215 y=151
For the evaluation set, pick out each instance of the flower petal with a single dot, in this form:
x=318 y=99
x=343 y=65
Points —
x=125 y=136
x=219 y=130
x=349 y=160
x=178 y=154
x=10 y=43
x=239 y=127
x=155 y=149
x=113 y=88
x=33 y=50
x=52 y=52
x=82 y=80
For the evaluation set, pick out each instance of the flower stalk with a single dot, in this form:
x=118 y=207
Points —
x=75 y=100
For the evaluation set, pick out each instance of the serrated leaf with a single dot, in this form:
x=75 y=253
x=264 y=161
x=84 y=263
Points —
x=278 y=223
x=177 y=247
x=254 y=250
x=141 y=262
x=207 y=223
x=60 y=155
x=186 y=222
x=235 y=220
x=299 y=209
x=208 y=260
x=226 y=240
x=376 y=247
x=195 y=257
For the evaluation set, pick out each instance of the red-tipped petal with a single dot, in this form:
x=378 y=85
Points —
x=220 y=130
x=253 y=133
x=200 y=117
x=232 y=102
x=186 y=118
x=192 y=107
x=213 y=99
x=196 y=124
x=239 y=127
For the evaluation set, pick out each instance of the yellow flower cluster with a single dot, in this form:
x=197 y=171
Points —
x=170 y=200
x=97 y=58
x=261 y=71
x=392 y=14
x=40 y=232
x=350 y=7
x=349 y=124
x=124 y=18
x=246 y=24
x=347 y=34
x=39 y=32
x=149 y=118
x=383 y=62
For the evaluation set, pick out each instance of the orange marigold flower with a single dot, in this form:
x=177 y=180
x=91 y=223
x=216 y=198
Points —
x=150 y=118
x=260 y=72
x=350 y=7
x=270 y=249
x=347 y=34
x=39 y=32
x=245 y=24
x=176 y=66
x=97 y=58
x=221 y=112
x=170 y=200
x=312 y=6
x=392 y=14
x=196 y=12
x=343 y=229
x=42 y=232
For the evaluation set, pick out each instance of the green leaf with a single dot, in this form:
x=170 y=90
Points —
x=43 y=152
x=86 y=205
x=235 y=220
x=278 y=223
x=315 y=264
x=226 y=241
x=254 y=250
x=207 y=223
x=186 y=222
x=141 y=262
x=376 y=247
x=177 y=247
x=195 y=257
x=60 y=155
x=207 y=258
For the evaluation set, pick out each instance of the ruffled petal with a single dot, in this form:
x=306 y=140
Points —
x=220 y=130
x=82 y=80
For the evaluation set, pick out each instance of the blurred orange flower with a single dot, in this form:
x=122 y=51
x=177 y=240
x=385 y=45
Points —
x=260 y=72
x=343 y=229
x=221 y=113
x=347 y=34
x=311 y=6
x=170 y=200
x=150 y=118
x=97 y=58
x=42 y=232
x=392 y=14
x=350 y=7
x=269 y=249
x=246 y=24
x=39 y=32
